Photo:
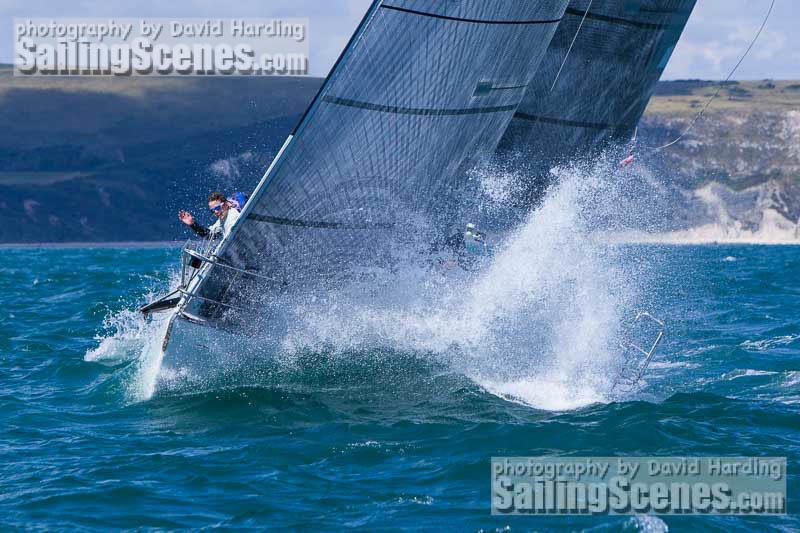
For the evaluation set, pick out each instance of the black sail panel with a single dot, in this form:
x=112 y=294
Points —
x=607 y=80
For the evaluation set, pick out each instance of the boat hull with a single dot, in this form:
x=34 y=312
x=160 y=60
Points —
x=199 y=352
x=193 y=351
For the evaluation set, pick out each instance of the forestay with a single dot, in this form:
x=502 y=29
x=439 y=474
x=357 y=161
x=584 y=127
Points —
x=423 y=90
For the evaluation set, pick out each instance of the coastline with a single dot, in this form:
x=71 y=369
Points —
x=73 y=245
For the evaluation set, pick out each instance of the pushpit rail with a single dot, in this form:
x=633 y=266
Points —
x=193 y=257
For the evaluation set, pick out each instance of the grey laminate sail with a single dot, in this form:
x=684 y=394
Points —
x=424 y=89
x=607 y=80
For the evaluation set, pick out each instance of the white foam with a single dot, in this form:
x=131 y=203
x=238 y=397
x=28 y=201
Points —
x=792 y=378
x=540 y=322
x=549 y=393
x=746 y=373
x=767 y=344
x=126 y=330
x=648 y=524
x=137 y=341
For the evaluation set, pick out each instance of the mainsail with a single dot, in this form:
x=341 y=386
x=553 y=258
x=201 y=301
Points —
x=608 y=76
x=423 y=90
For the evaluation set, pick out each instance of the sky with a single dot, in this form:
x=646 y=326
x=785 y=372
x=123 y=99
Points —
x=717 y=34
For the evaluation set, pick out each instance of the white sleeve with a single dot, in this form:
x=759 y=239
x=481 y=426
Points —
x=233 y=215
x=230 y=219
x=215 y=228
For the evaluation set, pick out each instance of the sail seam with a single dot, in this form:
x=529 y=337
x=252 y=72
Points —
x=574 y=123
x=615 y=20
x=317 y=224
x=416 y=110
x=468 y=20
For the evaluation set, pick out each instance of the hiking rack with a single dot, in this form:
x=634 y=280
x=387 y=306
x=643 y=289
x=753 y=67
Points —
x=631 y=373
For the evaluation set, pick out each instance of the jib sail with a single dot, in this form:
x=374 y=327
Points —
x=606 y=81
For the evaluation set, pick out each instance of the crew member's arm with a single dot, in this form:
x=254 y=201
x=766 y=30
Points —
x=189 y=220
x=202 y=231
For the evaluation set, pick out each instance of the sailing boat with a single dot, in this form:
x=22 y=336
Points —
x=423 y=91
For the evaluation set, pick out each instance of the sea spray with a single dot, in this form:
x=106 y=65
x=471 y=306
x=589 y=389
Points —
x=555 y=299
x=540 y=322
x=133 y=342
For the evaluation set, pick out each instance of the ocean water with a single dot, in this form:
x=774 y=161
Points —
x=383 y=412
x=388 y=435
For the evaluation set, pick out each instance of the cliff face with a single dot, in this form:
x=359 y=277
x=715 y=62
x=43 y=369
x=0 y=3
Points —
x=738 y=170
x=95 y=159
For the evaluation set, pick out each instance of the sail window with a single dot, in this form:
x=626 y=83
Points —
x=483 y=88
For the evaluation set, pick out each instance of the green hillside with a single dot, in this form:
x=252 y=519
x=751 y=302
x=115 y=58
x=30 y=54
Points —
x=109 y=159
x=687 y=97
x=99 y=159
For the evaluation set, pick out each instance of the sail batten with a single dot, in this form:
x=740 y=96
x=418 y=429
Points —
x=319 y=224
x=573 y=123
x=417 y=111
x=623 y=21
x=469 y=20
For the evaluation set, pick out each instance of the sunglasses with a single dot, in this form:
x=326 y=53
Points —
x=218 y=208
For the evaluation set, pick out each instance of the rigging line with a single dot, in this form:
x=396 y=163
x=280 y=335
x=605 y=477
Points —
x=721 y=85
x=558 y=74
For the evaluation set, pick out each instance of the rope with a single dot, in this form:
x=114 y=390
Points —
x=721 y=85
x=558 y=74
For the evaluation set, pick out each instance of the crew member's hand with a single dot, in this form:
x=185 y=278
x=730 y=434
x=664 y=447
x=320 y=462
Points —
x=186 y=217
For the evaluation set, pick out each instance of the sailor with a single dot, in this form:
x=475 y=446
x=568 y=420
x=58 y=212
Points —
x=474 y=240
x=222 y=208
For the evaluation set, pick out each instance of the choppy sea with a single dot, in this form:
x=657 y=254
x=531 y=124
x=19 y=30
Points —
x=380 y=437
